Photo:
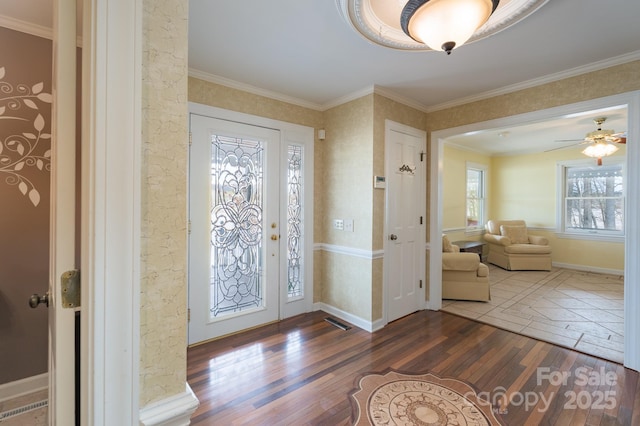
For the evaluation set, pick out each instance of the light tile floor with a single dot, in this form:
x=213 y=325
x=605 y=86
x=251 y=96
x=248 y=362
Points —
x=574 y=309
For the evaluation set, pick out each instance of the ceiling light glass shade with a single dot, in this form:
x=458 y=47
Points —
x=599 y=150
x=445 y=24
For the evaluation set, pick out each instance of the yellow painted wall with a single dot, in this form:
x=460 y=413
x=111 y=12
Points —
x=524 y=187
x=454 y=187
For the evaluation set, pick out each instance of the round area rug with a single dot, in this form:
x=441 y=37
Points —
x=402 y=399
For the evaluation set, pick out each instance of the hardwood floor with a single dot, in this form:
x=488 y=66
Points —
x=300 y=372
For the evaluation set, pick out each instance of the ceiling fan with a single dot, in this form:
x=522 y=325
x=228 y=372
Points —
x=600 y=135
x=601 y=142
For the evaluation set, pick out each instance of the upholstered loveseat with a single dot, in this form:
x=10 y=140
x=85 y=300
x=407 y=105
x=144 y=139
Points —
x=464 y=277
x=512 y=248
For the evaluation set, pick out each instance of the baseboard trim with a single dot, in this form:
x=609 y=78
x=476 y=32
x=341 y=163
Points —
x=24 y=386
x=346 y=316
x=173 y=411
x=586 y=268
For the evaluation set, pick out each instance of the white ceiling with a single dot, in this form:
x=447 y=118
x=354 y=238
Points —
x=304 y=52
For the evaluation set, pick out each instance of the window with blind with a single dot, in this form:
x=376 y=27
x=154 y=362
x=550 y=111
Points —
x=593 y=199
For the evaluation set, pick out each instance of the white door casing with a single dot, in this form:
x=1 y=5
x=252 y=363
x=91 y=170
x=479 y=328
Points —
x=632 y=205
x=282 y=256
x=405 y=220
x=62 y=212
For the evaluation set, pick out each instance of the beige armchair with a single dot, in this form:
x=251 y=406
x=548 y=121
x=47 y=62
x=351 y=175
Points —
x=464 y=277
x=512 y=248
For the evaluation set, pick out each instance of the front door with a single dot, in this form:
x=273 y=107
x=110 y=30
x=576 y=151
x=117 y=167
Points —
x=245 y=244
x=405 y=237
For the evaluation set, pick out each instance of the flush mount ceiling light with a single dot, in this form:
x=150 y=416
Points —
x=428 y=24
x=445 y=24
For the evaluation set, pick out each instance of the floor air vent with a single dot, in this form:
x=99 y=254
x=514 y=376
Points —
x=21 y=410
x=337 y=324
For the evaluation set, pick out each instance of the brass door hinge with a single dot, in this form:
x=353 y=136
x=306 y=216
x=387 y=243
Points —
x=70 y=289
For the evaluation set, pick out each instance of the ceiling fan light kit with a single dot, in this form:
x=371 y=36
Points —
x=599 y=150
x=445 y=24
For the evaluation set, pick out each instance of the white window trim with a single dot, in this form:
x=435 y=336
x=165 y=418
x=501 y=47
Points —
x=561 y=232
x=485 y=177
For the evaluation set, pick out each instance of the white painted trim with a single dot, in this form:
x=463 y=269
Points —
x=173 y=411
x=111 y=194
x=632 y=243
x=350 y=251
x=26 y=27
x=595 y=66
x=586 y=268
x=366 y=325
x=62 y=372
x=24 y=386
x=632 y=205
x=30 y=28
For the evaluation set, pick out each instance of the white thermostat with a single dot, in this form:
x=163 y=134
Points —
x=379 y=182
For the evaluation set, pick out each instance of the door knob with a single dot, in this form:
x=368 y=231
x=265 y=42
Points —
x=274 y=237
x=393 y=237
x=35 y=300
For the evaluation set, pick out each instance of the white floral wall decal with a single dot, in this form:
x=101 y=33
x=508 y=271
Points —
x=23 y=149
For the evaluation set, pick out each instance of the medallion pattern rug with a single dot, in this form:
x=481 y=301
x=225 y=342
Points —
x=395 y=398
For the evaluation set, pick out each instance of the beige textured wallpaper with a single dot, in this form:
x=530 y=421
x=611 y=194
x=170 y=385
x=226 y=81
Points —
x=163 y=298
x=346 y=191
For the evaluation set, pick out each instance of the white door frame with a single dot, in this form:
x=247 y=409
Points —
x=62 y=214
x=402 y=128
x=632 y=204
x=289 y=133
x=110 y=213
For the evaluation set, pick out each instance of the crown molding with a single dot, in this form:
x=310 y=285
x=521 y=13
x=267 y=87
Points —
x=573 y=72
x=387 y=93
x=31 y=29
x=26 y=27
x=212 y=78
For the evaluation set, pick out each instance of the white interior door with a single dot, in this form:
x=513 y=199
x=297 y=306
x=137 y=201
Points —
x=62 y=239
x=234 y=244
x=405 y=238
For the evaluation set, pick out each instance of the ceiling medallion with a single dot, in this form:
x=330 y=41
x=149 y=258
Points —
x=379 y=20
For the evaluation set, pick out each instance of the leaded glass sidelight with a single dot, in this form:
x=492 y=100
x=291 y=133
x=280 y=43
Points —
x=295 y=258
x=237 y=182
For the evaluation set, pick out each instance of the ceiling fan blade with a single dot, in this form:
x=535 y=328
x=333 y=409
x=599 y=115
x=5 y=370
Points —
x=570 y=140
x=564 y=147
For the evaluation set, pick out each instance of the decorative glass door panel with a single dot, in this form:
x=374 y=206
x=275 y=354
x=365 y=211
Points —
x=295 y=223
x=237 y=174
